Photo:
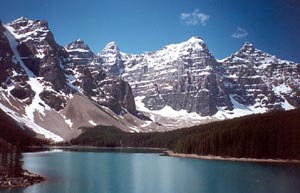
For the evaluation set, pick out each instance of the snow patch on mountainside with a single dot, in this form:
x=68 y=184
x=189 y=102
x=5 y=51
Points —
x=29 y=123
x=92 y=122
x=169 y=112
x=280 y=91
x=239 y=110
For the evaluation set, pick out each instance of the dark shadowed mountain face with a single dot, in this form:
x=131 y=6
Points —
x=49 y=88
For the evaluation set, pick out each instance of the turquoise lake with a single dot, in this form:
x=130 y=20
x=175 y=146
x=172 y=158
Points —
x=119 y=172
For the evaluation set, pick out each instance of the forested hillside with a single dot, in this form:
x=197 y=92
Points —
x=272 y=135
x=15 y=134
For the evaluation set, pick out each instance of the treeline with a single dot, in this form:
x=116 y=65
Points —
x=271 y=135
x=10 y=160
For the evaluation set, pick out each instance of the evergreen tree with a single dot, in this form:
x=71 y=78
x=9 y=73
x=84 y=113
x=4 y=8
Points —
x=18 y=163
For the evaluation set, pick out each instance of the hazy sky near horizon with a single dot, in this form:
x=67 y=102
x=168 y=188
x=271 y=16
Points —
x=138 y=26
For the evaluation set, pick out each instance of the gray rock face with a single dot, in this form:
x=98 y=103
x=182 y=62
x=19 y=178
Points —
x=111 y=59
x=97 y=76
x=121 y=94
x=52 y=99
x=80 y=53
x=187 y=76
x=109 y=91
x=258 y=78
x=5 y=56
x=182 y=76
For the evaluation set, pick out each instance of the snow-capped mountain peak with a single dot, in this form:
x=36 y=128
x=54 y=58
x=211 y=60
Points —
x=111 y=59
x=192 y=44
x=111 y=47
x=248 y=45
x=80 y=52
x=22 y=21
x=25 y=29
x=248 y=53
x=196 y=39
x=78 y=45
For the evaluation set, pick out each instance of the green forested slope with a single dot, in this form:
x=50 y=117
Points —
x=271 y=135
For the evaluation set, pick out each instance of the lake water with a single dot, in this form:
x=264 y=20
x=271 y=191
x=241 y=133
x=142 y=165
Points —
x=118 y=172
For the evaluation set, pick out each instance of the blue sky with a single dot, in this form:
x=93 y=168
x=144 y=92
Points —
x=147 y=25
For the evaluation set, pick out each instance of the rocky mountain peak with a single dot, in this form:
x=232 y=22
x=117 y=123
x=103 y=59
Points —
x=248 y=44
x=248 y=48
x=194 y=43
x=25 y=27
x=112 y=46
x=111 y=59
x=80 y=52
x=21 y=20
x=195 y=39
x=78 y=45
x=248 y=53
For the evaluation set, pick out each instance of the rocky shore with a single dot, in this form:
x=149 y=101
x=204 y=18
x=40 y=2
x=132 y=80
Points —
x=26 y=179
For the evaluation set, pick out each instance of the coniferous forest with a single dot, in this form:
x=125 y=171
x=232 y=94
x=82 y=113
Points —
x=13 y=140
x=272 y=135
x=13 y=133
x=10 y=159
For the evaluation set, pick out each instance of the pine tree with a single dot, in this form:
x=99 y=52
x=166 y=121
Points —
x=18 y=162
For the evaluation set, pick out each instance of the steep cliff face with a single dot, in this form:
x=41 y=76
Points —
x=5 y=56
x=179 y=75
x=39 y=51
x=111 y=59
x=261 y=79
x=182 y=76
x=80 y=53
x=186 y=76
x=98 y=78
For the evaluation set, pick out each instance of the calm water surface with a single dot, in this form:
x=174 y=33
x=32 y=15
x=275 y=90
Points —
x=115 y=172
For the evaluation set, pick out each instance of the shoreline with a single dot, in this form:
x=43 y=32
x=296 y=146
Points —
x=78 y=147
x=167 y=152
x=232 y=159
x=26 y=179
x=97 y=149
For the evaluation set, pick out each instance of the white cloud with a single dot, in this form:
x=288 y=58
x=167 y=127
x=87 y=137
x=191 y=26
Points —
x=240 y=33
x=194 y=18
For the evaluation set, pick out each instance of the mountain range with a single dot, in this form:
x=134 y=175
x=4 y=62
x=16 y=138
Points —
x=54 y=90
